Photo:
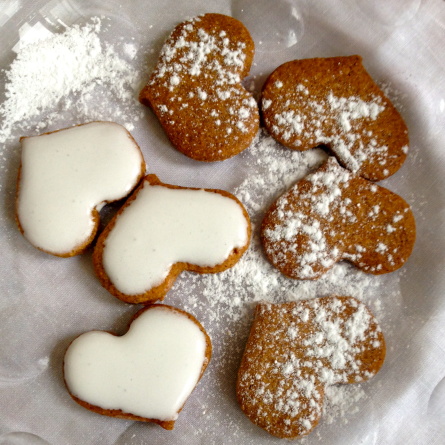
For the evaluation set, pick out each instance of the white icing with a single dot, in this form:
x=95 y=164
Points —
x=66 y=174
x=149 y=372
x=163 y=226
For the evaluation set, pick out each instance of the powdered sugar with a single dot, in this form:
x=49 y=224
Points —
x=271 y=171
x=284 y=376
x=208 y=66
x=311 y=227
x=333 y=102
x=345 y=137
x=324 y=192
x=349 y=109
x=226 y=300
x=228 y=296
x=64 y=75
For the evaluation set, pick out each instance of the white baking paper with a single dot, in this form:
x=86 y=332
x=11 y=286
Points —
x=45 y=302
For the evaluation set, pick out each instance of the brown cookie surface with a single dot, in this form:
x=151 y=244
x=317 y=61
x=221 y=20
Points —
x=146 y=374
x=196 y=92
x=334 y=102
x=165 y=229
x=295 y=350
x=334 y=215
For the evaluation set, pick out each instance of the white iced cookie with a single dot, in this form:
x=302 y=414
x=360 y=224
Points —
x=146 y=374
x=67 y=176
x=164 y=229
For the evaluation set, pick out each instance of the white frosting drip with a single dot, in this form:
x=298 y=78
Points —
x=149 y=372
x=66 y=174
x=163 y=226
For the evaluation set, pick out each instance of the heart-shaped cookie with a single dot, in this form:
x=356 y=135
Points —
x=146 y=374
x=67 y=176
x=196 y=92
x=334 y=215
x=334 y=102
x=164 y=229
x=295 y=350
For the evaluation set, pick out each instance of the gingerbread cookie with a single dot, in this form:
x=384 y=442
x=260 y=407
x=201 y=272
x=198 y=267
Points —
x=146 y=374
x=335 y=103
x=196 y=92
x=334 y=215
x=164 y=229
x=295 y=350
x=67 y=176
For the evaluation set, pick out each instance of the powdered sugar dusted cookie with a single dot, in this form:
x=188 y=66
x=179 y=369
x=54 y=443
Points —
x=67 y=176
x=196 y=92
x=295 y=350
x=146 y=374
x=334 y=215
x=164 y=229
x=334 y=102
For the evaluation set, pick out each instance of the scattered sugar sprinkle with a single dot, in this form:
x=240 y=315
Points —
x=225 y=301
x=287 y=376
x=214 y=57
x=346 y=134
x=298 y=240
x=272 y=171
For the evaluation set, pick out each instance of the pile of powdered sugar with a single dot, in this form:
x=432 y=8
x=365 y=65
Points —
x=72 y=74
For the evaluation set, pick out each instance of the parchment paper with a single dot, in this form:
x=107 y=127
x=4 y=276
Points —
x=45 y=302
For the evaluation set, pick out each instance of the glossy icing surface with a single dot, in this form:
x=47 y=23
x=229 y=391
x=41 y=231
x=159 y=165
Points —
x=149 y=372
x=163 y=226
x=66 y=174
